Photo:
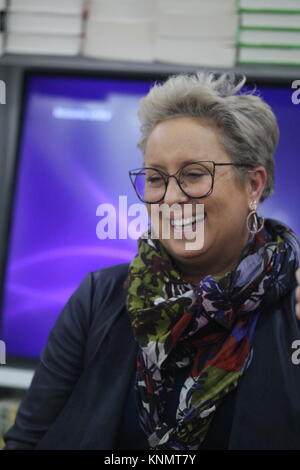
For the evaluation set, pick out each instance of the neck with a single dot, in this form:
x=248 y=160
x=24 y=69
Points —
x=220 y=264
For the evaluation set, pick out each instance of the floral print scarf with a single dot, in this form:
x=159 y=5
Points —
x=209 y=327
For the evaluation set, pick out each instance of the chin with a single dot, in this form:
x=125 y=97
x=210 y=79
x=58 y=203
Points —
x=179 y=248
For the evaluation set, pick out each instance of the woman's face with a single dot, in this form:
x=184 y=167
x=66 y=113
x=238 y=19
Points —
x=173 y=143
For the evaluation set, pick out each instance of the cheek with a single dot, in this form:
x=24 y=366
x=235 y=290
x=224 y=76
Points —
x=227 y=207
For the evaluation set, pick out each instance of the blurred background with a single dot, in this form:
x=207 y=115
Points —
x=72 y=73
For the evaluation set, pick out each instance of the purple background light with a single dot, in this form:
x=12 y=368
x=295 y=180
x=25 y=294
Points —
x=78 y=142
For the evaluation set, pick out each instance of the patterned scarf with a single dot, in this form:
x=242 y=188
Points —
x=209 y=326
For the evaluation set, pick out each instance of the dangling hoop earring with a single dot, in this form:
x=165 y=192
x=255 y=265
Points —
x=254 y=222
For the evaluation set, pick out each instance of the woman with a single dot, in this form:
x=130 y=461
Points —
x=184 y=348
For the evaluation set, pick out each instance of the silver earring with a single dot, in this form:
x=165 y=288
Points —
x=254 y=222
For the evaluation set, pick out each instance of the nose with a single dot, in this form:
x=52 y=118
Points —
x=174 y=194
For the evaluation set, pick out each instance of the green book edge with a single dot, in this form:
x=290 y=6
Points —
x=239 y=9
x=268 y=10
x=268 y=28
x=268 y=46
x=237 y=33
x=286 y=64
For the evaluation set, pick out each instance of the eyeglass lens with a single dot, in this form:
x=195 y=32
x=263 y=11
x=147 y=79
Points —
x=195 y=180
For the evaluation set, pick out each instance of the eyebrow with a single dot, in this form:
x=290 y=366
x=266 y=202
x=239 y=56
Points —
x=157 y=165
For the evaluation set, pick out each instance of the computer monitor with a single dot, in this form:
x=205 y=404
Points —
x=77 y=142
x=78 y=137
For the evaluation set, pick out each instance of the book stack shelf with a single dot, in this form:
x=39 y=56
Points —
x=169 y=31
x=120 y=30
x=269 y=32
x=193 y=32
x=44 y=27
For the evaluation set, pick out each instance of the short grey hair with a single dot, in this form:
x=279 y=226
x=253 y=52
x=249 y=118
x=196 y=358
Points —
x=248 y=127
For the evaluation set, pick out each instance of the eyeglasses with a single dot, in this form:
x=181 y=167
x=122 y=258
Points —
x=196 y=180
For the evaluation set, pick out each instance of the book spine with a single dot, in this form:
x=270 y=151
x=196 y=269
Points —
x=268 y=28
x=269 y=10
x=263 y=62
x=240 y=44
x=237 y=37
x=268 y=46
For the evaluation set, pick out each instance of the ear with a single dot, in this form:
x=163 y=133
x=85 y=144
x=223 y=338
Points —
x=257 y=180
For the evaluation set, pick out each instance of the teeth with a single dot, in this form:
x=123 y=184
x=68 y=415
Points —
x=187 y=221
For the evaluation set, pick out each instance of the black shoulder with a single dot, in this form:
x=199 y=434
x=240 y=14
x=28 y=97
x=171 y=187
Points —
x=106 y=288
x=116 y=273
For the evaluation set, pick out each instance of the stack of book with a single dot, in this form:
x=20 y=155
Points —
x=120 y=30
x=2 y=24
x=44 y=27
x=269 y=32
x=196 y=33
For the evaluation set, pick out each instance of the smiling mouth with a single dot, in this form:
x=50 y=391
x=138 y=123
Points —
x=187 y=222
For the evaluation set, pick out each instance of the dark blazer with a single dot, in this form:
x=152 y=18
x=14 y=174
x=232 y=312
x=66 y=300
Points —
x=80 y=386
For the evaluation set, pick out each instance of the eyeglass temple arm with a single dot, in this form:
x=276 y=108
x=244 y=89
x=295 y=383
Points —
x=234 y=164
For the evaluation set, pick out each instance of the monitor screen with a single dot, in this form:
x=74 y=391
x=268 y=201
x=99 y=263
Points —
x=283 y=203
x=77 y=142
